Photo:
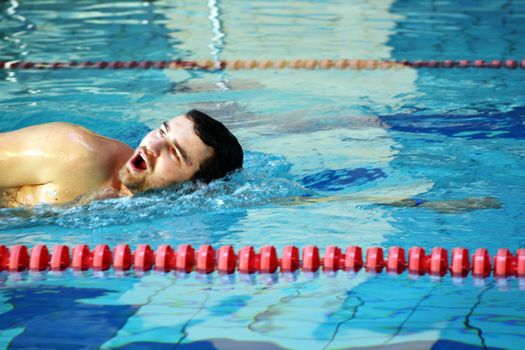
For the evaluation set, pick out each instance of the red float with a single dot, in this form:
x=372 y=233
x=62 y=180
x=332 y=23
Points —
x=122 y=257
x=460 y=262
x=18 y=258
x=479 y=63
x=60 y=259
x=81 y=258
x=504 y=264
x=495 y=64
x=116 y=65
x=159 y=64
x=353 y=259
x=143 y=260
x=188 y=64
x=332 y=258
x=396 y=262
x=448 y=64
x=205 y=259
x=375 y=261
x=481 y=266
x=226 y=259
x=417 y=261
x=164 y=258
x=247 y=260
x=39 y=259
x=438 y=265
x=463 y=63
x=268 y=259
x=130 y=64
x=145 y=64
x=311 y=261
x=185 y=259
x=290 y=259
x=101 y=260
x=512 y=64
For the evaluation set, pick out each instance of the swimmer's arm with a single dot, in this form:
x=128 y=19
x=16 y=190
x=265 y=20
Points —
x=452 y=206
x=448 y=206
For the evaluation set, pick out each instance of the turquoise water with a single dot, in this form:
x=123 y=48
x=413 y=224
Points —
x=352 y=136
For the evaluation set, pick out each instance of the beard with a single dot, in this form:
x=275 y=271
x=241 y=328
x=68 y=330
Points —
x=134 y=182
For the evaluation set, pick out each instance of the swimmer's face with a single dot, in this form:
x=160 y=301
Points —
x=171 y=154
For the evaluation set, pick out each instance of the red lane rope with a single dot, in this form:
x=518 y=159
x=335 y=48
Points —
x=224 y=260
x=310 y=64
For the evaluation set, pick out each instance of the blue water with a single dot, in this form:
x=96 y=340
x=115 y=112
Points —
x=323 y=148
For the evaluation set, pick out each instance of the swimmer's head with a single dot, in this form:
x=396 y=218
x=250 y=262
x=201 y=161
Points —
x=193 y=146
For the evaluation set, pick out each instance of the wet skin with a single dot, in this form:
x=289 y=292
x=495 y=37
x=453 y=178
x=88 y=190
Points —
x=58 y=163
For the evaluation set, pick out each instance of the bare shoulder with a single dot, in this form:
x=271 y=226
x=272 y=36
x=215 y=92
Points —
x=72 y=137
x=55 y=127
x=65 y=130
x=71 y=158
x=93 y=148
x=55 y=149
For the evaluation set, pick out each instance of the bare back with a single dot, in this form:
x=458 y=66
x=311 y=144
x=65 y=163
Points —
x=56 y=163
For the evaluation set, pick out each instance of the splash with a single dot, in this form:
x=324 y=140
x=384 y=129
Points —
x=263 y=179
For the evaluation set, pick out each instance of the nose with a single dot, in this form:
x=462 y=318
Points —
x=155 y=146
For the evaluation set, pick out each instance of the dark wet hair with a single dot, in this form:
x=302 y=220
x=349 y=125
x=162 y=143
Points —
x=227 y=152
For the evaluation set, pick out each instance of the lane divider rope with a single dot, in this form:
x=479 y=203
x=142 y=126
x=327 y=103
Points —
x=206 y=260
x=308 y=64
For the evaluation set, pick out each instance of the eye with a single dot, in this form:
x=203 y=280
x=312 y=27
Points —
x=162 y=132
x=173 y=154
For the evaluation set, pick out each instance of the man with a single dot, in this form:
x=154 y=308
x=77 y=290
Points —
x=57 y=163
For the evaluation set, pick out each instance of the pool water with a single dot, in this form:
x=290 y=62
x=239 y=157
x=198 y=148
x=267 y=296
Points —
x=344 y=140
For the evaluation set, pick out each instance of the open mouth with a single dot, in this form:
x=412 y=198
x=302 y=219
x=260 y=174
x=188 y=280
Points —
x=139 y=163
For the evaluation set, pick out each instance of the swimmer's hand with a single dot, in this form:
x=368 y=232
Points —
x=452 y=206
